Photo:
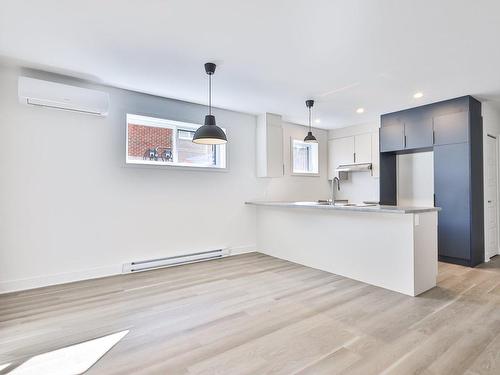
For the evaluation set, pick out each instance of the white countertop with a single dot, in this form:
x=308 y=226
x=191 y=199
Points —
x=356 y=208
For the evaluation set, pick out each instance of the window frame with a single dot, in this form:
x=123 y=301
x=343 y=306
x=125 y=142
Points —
x=153 y=120
x=302 y=174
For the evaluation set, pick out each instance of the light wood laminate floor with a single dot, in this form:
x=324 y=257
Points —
x=254 y=314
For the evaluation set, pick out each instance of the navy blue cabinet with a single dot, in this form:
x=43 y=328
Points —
x=392 y=137
x=407 y=132
x=453 y=129
x=451 y=163
x=418 y=133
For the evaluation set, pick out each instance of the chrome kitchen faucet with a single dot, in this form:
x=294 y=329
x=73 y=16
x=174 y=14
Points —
x=333 y=188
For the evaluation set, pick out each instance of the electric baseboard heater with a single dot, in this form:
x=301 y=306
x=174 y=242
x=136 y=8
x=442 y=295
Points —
x=145 y=265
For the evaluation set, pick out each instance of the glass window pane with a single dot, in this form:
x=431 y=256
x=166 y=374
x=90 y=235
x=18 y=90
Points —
x=304 y=157
x=192 y=153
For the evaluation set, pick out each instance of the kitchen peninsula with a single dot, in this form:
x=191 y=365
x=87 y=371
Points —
x=391 y=247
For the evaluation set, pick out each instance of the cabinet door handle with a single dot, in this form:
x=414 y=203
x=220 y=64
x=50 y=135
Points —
x=433 y=137
x=355 y=157
x=405 y=142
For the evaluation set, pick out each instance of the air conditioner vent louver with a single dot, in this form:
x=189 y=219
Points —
x=48 y=94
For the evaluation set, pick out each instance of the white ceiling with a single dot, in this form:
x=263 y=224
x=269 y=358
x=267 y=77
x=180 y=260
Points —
x=272 y=54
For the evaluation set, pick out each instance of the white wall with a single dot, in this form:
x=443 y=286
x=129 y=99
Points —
x=360 y=186
x=70 y=208
x=415 y=179
x=491 y=117
x=307 y=187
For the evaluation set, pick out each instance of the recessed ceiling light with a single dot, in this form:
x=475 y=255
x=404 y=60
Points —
x=317 y=121
x=418 y=95
x=360 y=110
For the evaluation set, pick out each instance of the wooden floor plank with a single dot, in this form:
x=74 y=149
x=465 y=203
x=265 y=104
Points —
x=260 y=315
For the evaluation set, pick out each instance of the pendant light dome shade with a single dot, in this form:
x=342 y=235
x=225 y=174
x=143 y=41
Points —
x=209 y=133
x=310 y=138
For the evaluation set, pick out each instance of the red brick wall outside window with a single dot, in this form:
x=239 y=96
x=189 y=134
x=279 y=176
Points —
x=142 y=138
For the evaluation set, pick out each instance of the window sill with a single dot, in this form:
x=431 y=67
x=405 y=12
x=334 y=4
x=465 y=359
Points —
x=174 y=167
x=305 y=174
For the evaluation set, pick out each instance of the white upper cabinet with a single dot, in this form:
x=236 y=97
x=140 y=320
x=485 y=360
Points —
x=356 y=149
x=340 y=151
x=269 y=146
x=363 y=148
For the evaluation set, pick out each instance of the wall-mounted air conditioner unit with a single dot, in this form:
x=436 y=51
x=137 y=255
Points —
x=56 y=95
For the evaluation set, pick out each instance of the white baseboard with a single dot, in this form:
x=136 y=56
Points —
x=59 y=278
x=242 y=249
x=92 y=273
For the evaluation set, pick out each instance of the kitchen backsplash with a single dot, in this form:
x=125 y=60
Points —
x=360 y=186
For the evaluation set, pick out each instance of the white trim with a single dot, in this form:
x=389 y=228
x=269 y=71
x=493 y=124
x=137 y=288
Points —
x=243 y=249
x=87 y=274
x=303 y=174
x=167 y=166
x=156 y=121
x=487 y=256
x=59 y=278
x=174 y=145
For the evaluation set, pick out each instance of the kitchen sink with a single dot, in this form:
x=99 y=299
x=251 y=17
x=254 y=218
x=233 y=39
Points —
x=319 y=203
x=337 y=203
x=346 y=204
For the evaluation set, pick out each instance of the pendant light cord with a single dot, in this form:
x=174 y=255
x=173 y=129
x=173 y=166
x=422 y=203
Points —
x=209 y=94
x=310 y=119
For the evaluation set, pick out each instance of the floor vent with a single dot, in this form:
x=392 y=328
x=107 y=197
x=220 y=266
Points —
x=145 y=265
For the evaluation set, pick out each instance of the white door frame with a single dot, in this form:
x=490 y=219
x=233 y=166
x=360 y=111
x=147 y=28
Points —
x=486 y=254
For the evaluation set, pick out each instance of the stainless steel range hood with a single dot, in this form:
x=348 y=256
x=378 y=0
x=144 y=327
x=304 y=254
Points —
x=359 y=167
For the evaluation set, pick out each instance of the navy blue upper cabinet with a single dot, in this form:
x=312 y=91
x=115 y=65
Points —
x=451 y=128
x=392 y=137
x=418 y=133
x=407 y=133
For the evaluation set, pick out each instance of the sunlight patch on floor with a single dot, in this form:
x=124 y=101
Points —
x=71 y=360
x=4 y=366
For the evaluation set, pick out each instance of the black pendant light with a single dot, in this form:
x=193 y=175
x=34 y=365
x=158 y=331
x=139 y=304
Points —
x=310 y=138
x=210 y=133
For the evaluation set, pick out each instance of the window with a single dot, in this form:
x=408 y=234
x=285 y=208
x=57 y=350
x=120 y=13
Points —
x=304 y=158
x=157 y=141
